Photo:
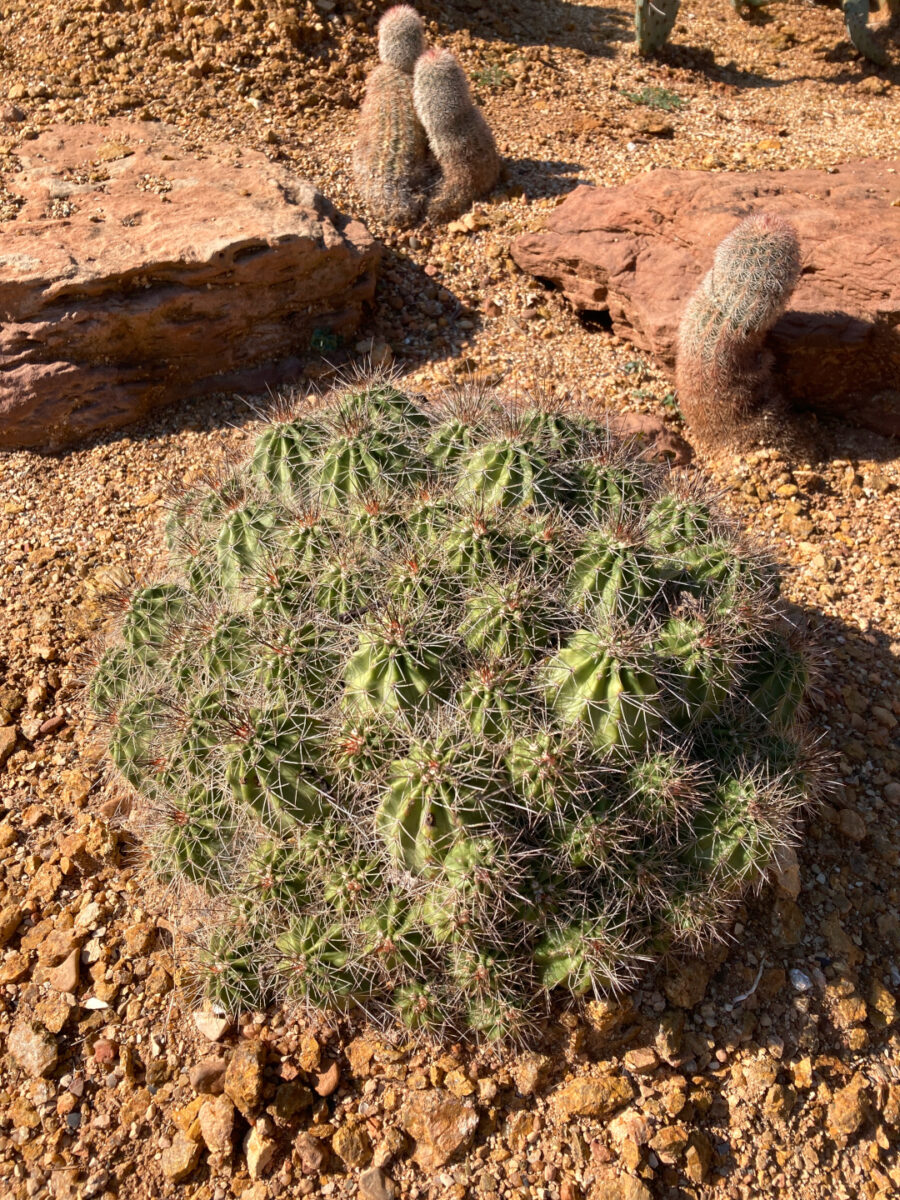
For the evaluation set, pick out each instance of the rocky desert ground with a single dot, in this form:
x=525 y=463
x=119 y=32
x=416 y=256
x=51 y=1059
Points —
x=768 y=1067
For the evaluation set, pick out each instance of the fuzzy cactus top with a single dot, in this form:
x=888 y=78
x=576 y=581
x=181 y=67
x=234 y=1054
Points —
x=401 y=37
x=439 y=709
x=443 y=101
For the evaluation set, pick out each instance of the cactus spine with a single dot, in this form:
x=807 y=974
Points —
x=463 y=706
x=458 y=134
x=653 y=22
x=389 y=161
x=723 y=371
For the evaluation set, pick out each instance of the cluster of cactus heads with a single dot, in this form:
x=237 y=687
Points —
x=448 y=708
x=723 y=371
x=418 y=111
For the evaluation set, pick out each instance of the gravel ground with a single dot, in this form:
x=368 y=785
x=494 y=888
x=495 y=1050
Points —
x=770 y=1066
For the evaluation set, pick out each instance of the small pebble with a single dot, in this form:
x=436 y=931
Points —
x=800 y=981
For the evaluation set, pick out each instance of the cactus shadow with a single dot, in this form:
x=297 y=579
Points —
x=847 y=862
x=594 y=30
x=701 y=60
x=542 y=177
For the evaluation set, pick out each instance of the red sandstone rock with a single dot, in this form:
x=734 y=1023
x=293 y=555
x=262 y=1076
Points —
x=639 y=251
x=139 y=274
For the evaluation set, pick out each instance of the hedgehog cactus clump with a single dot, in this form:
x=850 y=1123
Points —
x=723 y=371
x=390 y=157
x=447 y=709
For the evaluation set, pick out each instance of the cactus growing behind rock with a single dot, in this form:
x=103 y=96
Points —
x=653 y=22
x=389 y=160
x=443 y=710
x=457 y=132
x=723 y=372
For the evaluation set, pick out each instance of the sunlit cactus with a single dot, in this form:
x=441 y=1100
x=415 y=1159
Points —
x=653 y=22
x=401 y=37
x=389 y=160
x=447 y=709
x=723 y=370
x=458 y=135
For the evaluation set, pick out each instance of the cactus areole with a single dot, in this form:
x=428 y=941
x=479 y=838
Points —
x=440 y=710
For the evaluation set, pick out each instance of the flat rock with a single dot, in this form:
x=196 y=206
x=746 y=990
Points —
x=259 y=1150
x=64 y=978
x=137 y=273
x=8 y=736
x=212 y=1025
x=352 y=1144
x=441 y=1124
x=32 y=1048
x=638 y=252
x=244 y=1077
x=207 y=1077
x=593 y=1096
x=610 y=1186
x=180 y=1160
x=375 y=1185
x=216 y=1119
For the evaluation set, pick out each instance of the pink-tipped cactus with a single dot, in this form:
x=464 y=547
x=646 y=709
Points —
x=725 y=387
x=457 y=132
x=401 y=37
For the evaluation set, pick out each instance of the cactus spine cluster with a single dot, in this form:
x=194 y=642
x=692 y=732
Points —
x=457 y=132
x=389 y=161
x=723 y=372
x=445 y=709
x=653 y=22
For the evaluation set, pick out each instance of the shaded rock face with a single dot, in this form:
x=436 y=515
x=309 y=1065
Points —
x=639 y=251
x=138 y=274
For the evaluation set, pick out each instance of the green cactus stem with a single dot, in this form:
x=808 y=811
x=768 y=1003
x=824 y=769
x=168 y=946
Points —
x=653 y=22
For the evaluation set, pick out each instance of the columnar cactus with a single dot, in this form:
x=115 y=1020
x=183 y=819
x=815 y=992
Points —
x=723 y=371
x=458 y=134
x=389 y=161
x=653 y=22
x=445 y=709
x=867 y=40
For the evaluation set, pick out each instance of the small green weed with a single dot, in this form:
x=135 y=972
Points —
x=491 y=77
x=657 y=97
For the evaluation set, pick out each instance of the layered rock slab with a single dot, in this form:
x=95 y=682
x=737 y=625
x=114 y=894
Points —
x=638 y=251
x=138 y=273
